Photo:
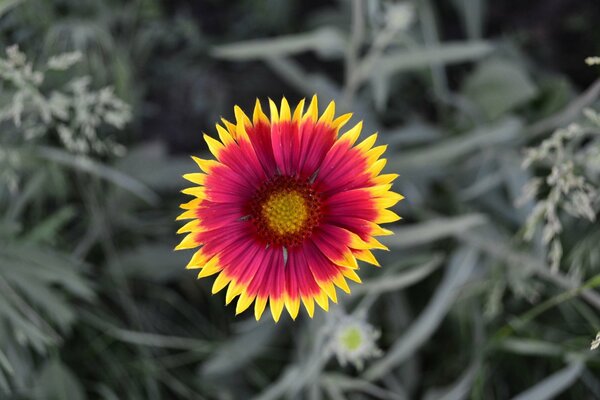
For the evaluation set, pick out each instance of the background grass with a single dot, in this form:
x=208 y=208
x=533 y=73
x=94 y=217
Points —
x=478 y=297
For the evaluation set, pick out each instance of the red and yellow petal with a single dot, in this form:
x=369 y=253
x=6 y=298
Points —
x=314 y=253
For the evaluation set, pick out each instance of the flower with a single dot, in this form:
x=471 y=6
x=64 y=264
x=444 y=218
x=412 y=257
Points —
x=287 y=208
x=354 y=341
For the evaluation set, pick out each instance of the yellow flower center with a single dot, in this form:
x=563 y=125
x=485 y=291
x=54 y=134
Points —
x=285 y=212
x=352 y=338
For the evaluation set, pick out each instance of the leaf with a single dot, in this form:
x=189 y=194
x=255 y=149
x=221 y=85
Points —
x=499 y=248
x=554 y=384
x=472 y=13
x=4 y=385
x=48 y=229
x=7 y=5
x=380 y=88
x=241 y=349
x=106 y=393
x=531 y=347
x=432 y=230
x=45 y=298
x=446 y=53
x=104 y=324
x=57 y=382
x=307 y=83
x=554 y=94
x=395 y=282
x=498 y=86
x=457 y=273
x=6 y=370
x=327 y=42
x=27 y=195
x=153 y=261
x=448 y=150
x=354 y=385
x=34 y=283
x=5 y=364
x=431 y=37
x=166 y=170
x=565 y=116
x=23 y=330
x=92 y=167
x=414 y=132
x=457 y=390
x=46 y=265
x=280 y=387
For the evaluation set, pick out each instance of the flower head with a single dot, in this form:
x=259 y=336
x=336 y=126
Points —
x=354 y=341
x=287 y=208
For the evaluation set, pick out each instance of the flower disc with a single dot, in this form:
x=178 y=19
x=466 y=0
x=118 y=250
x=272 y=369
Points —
x=287 y=208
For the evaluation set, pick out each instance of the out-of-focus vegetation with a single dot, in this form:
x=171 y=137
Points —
x=490 y=290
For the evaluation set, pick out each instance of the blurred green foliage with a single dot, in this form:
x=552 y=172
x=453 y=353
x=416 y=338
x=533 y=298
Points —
x=475 y=300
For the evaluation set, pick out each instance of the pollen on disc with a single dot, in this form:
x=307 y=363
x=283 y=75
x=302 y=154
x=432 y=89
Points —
x=285 y=210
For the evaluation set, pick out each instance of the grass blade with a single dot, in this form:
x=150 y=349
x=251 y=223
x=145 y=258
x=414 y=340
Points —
x=432 y=230
x=554 y=384
x=325 y=41
x=399 y=281
x=458 y=272
x=86 y=164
